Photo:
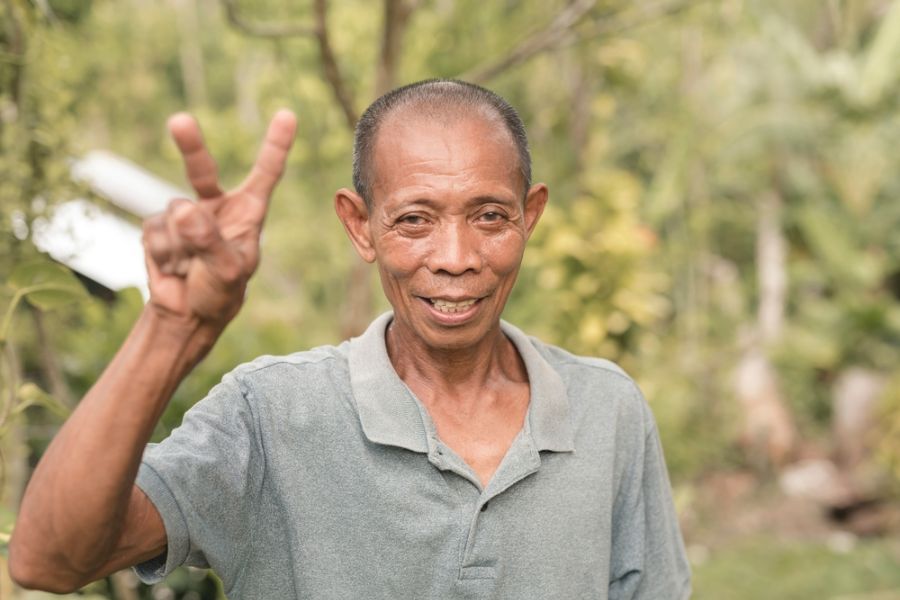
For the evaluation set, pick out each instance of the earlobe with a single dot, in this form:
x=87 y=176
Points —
x=351 y=209
x=535 y=201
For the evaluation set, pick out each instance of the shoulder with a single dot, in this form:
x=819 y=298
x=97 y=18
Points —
x=564 y=360
x=593 y=371
x=598 y=386
x=273 y=384
x=329 y=362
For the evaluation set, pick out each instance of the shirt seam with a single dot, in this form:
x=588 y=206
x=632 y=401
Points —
x=240 y=554
x=249 y=368
x=574 y=361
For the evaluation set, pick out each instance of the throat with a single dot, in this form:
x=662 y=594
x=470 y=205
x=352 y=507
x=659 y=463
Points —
x=455 y=370
x=477 y=397
x=481 y=431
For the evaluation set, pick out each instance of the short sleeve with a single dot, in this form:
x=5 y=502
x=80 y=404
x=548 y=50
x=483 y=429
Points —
x=204 y=480
x=648 y=556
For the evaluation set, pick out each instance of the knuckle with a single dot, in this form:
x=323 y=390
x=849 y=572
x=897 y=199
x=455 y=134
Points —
x=153 y=223
x=181 y=265
x=230 y=269
x=175 y=203
x=157 y=246
x=196 y=226
x=201 y=237
x=271 y=171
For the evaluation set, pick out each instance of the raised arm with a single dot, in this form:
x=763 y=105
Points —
x=82 y=516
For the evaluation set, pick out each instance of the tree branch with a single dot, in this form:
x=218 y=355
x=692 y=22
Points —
x=661 y=11
x=359 y=300
x=541 y=40
x=264 y=30
x=330 y=67
x=561 y=31
x=396 y=18
x=318 y=30
x=16 y=48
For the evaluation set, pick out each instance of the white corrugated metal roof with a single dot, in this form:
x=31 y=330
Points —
x=95 y=243
x=125 y=184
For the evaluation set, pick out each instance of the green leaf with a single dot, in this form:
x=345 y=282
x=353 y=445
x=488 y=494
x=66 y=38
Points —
x=46 y=285
x=879 y=69
x=840 y=251
x=30 y=394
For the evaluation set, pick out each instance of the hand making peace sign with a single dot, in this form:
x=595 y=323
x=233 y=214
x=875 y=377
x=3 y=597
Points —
x=201 y=254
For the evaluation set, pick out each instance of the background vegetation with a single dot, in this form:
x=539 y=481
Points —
x=724 y=181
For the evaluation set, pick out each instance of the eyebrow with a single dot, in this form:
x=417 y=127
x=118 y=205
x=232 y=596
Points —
x=494 y=199
x=476 y=201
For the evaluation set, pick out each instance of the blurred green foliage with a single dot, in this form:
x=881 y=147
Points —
x=658 y=127
x=764 y=567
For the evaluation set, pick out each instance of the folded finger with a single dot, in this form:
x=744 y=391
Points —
x=198 y=232
x=180 y=252
x=157 y=244
x=199 y=164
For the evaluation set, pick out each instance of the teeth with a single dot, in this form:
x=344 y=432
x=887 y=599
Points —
x=445 y=306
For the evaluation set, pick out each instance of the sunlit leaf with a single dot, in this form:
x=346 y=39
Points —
x=879 y=69
x=30 y=394
x=46 y=285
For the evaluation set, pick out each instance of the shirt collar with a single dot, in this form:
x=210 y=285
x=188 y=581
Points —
x=391 y=414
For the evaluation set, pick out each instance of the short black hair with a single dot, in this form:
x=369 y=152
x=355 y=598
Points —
x=435 y=96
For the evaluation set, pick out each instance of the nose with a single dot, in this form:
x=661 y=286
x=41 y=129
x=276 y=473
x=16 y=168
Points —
x=456 y=250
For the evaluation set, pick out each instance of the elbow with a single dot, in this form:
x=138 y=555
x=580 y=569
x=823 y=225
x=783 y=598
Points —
x=38 y=573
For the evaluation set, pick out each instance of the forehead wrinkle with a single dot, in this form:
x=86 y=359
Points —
x=420 y=152
x=455 y=119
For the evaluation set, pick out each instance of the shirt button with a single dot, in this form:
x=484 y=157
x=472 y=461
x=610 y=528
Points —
x=484 y=507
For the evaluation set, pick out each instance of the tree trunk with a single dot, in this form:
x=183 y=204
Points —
x=768 y=433
x=357 y=308
x=771 y=269
x=246 y=71
x=190 y=52
x=856 y=395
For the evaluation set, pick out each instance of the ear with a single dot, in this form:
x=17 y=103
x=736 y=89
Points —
x=351 y=209
x=535 y=201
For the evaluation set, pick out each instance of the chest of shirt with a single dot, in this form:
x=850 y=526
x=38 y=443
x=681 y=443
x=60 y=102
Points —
x=354 y=513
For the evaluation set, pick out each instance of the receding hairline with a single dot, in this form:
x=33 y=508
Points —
x=403 y=126
x=442 y=100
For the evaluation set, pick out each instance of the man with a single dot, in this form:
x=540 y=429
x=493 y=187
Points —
x=442 y=454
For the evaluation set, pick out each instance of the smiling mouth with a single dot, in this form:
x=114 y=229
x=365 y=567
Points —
x=449 y=307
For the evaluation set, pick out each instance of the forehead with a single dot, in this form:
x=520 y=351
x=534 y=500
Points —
x=448 y=151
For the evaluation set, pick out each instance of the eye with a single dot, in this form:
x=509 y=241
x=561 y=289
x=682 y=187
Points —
x=411 y=220
x=492 y=216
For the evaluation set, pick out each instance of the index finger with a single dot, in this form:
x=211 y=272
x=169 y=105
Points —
x=200 y=166
x=272 y=156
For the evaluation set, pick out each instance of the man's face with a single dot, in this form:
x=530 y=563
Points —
x=448 y=226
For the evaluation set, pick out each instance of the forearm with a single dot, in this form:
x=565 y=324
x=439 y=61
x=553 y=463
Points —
x=73 y=510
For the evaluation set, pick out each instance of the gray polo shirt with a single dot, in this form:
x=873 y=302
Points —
x=320 y=475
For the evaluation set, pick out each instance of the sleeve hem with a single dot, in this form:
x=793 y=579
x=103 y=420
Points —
x=156 y=569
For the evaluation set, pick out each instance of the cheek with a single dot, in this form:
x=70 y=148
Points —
x=399 y=258
x=504 y=252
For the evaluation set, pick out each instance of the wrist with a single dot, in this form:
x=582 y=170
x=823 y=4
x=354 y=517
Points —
x=191 y=337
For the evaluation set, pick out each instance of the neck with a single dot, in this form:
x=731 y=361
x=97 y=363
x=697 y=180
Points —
x=461 y=375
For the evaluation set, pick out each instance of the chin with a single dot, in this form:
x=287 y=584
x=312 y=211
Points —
x=455 y=338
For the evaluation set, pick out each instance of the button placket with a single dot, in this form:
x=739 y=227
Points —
x=522 y=460
x=475 y=570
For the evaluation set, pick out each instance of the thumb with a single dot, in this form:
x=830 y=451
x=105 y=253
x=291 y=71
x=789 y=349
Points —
x=201 y=238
